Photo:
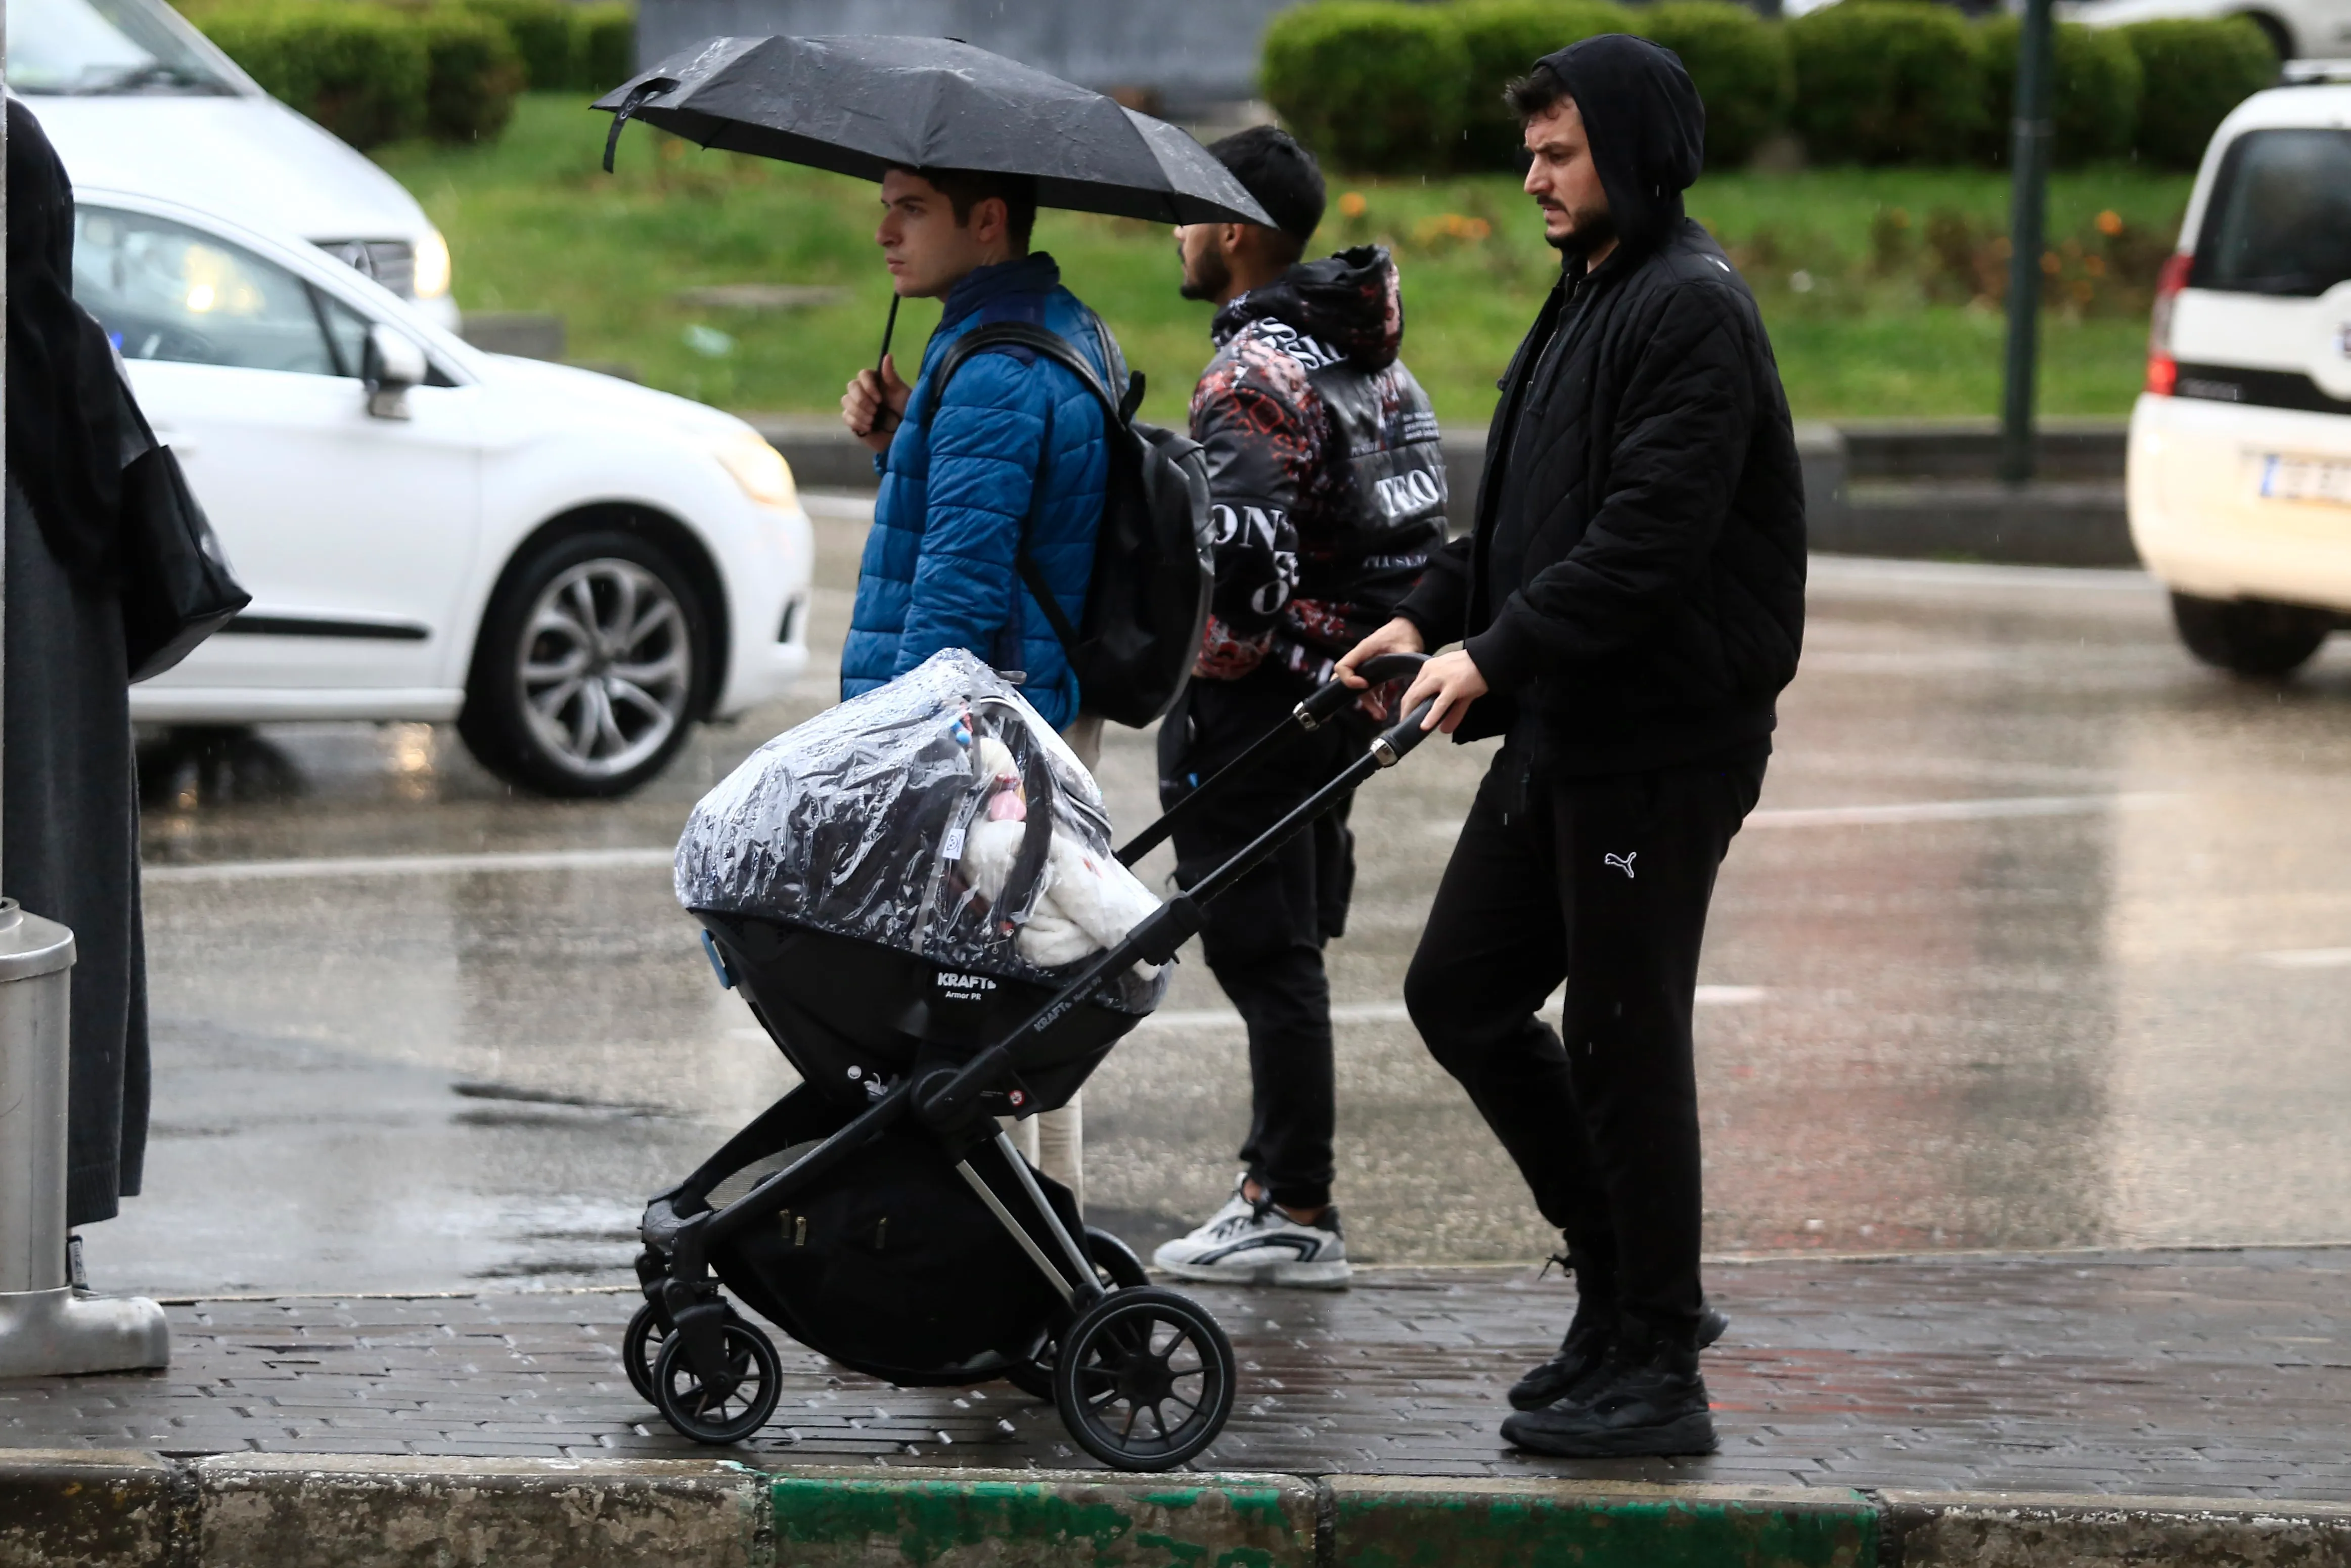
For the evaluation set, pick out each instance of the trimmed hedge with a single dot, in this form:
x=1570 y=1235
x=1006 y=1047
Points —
x=2094 y=93
x=474 y=74
x=566 y=46
x=372 y=73
x=546 y=36
x=359 y=71
x=2195 y=72
x=1386 y=86
x=1887 y=81
x=608 y=45
x=1504 y=39
x=1368 y=86
x=1741 y=65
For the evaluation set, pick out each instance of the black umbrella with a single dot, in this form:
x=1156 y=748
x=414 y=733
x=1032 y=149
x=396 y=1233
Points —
x=862 y=105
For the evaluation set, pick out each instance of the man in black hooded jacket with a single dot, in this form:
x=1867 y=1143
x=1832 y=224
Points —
x=1629 y=606
x=1327 y=491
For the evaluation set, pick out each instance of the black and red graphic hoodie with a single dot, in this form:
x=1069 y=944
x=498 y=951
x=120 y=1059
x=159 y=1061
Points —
x=1327 y=484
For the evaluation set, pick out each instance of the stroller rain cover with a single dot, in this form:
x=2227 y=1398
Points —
x=893 y=818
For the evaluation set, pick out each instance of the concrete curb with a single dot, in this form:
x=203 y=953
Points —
x=1945 y=1530
x=1433 y=1522
x=2046 y=523
x=87 y=1509
x=1918 y=491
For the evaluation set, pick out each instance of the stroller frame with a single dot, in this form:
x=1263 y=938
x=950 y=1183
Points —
x=702 y=1340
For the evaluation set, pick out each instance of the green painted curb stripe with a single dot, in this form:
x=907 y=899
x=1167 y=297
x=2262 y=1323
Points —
x=1457 y=1530
x=935 y=1520
x=1240 y=1522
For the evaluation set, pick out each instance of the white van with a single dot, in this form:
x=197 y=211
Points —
x=2239 y=479
x=135 y=98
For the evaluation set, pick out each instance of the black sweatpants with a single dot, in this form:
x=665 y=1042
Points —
x=1602 y=881
x=1264 y=938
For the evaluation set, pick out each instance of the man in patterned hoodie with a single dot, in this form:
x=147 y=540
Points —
x=1329 y=497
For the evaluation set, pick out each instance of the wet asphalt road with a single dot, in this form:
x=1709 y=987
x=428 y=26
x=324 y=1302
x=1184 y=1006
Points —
x=2041 y=938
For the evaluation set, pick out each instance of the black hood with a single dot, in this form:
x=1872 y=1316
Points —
x=1352 y=301
x=1646 y=126
x=65 y=423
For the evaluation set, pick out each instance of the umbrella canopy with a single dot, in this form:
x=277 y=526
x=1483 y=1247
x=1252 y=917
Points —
x=862 y=105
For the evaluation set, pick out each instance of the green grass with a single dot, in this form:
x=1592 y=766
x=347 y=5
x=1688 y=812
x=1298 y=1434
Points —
x=536 y=224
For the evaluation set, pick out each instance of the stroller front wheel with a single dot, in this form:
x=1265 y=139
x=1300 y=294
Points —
x=641 y=1348
x=731 y=1409
x=1145 y=1379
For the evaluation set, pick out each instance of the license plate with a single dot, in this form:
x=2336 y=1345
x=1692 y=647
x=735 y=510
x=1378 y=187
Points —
x=2281 y=476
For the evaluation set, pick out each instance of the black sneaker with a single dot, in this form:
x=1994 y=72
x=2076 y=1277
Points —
x=1583 y=1353
x=1650 y=1407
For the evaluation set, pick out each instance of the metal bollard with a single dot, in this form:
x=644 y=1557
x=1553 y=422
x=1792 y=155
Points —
x=46 y=1329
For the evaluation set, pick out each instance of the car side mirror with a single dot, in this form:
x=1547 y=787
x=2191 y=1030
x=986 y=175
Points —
x=393 y=363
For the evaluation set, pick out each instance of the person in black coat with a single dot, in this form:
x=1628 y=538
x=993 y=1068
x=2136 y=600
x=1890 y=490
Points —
x=1628 y=608
x=69 y=809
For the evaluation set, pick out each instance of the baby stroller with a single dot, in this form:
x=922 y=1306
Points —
x=897 y=888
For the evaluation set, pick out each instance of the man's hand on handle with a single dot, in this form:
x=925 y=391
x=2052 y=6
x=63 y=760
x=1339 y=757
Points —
x=1452 y=679
x=1398 y=636
x=874 y=405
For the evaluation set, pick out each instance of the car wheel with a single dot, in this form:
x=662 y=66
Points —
x=590 y=665
x=2249 y=636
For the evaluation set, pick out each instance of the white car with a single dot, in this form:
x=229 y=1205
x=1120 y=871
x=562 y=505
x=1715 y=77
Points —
x=2297 y=29
x=135 y=98
x=2240 y=477
x=571 y=567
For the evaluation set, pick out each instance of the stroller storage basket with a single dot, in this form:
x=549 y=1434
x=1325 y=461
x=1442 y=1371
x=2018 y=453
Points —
x=903 y=1236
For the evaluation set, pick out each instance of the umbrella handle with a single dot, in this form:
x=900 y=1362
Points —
x=889 y=330
x=649 y=88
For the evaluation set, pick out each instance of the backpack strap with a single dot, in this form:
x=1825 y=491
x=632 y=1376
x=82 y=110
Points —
x=1052 y=345
x=1037 y=340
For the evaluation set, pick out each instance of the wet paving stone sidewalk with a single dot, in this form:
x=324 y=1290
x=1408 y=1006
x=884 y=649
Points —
x=2183 y=1374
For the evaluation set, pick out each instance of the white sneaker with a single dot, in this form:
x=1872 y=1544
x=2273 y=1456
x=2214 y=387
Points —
x=1247 y=1243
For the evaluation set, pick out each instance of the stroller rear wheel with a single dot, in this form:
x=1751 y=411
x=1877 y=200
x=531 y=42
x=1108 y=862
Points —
x=641 y=1348
x=731 y=1409
x=1117 y=1267
x=1145 y=1379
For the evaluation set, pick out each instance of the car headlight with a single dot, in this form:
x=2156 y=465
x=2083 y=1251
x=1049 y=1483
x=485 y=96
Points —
x=432 y=266
x=758 y=468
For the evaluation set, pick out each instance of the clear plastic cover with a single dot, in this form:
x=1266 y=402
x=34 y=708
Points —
x=938 y=815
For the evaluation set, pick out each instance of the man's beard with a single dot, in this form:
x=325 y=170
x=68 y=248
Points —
x=1588 y=229
x=1210 y=276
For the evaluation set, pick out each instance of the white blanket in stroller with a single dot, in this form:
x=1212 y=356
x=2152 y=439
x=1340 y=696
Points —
x=1088 y=901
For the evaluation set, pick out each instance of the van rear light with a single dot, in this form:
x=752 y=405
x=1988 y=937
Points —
x=2162 y=370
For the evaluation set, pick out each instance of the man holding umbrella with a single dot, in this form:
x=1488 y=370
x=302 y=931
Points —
x=1012 y=458
x=1628 y=608
x=1015 y=445
x=967 y=145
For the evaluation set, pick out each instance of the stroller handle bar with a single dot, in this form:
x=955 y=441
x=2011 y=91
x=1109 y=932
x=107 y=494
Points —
x=1324 y=704
x=945 y=1097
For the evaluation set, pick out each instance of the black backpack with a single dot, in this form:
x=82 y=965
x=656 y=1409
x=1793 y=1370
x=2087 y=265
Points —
x=1154 y=563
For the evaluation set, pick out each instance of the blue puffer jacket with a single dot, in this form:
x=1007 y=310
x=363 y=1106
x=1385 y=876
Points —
x=958 y=483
